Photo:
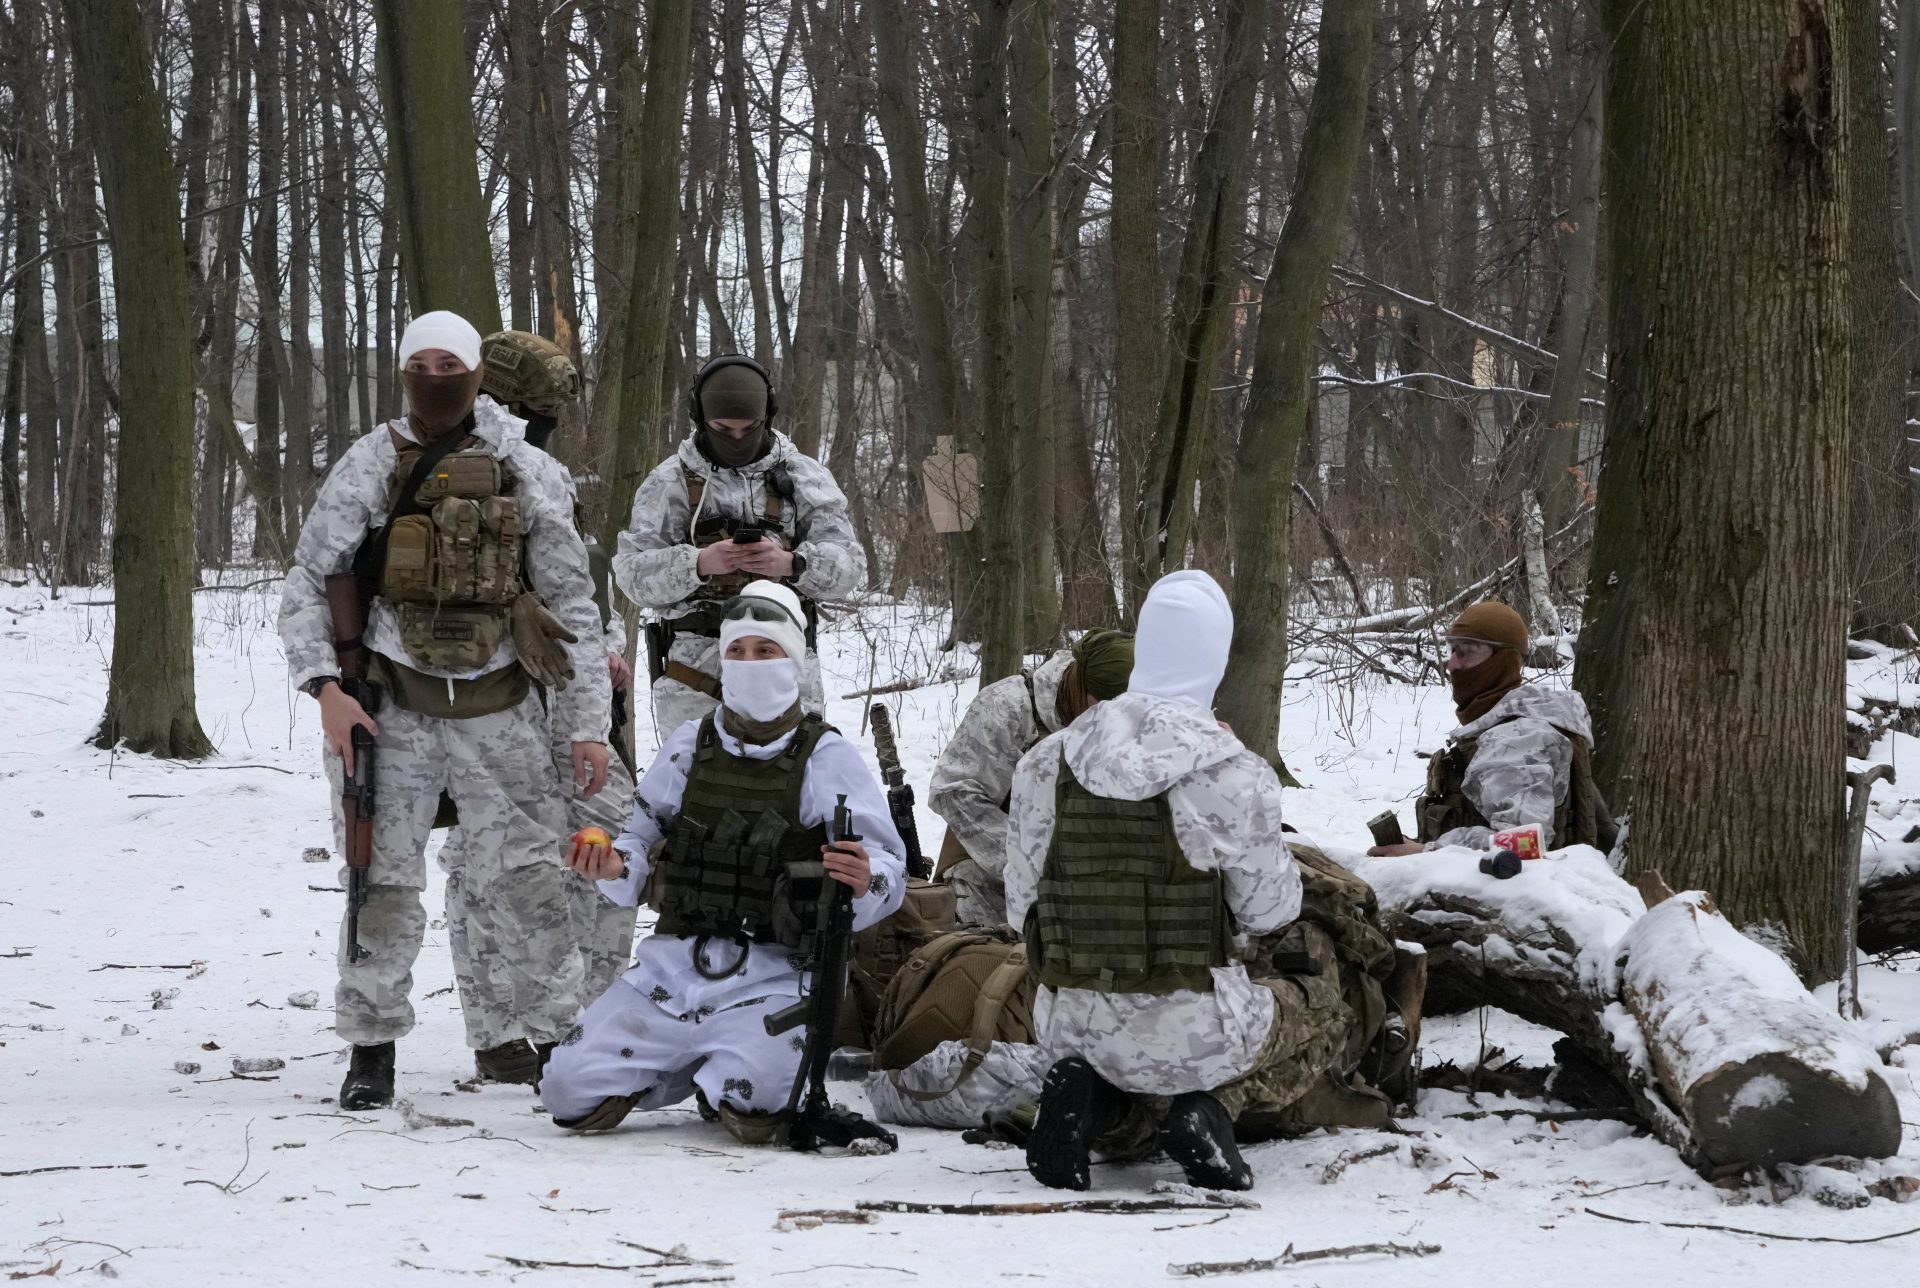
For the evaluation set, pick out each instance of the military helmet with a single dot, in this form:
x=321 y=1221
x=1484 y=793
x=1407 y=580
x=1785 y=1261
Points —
x=528 y=370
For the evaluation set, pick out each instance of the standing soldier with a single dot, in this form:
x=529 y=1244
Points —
x=479 y=598
x=535 y=380
x=737 y=502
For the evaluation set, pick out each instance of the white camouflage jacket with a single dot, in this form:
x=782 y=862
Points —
x=655 y=562
x=974 y=775
x=1226 y=816
x=355 y=498
x=1523 y=766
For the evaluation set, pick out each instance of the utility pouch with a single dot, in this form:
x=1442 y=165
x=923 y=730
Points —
x=407 y=574
x=451 y=639
x=462 y=474
x=497 y=576
x=797 y=892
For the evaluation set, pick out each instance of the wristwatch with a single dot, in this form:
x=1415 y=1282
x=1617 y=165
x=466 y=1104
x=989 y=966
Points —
x=313 y=687
x=799 y=567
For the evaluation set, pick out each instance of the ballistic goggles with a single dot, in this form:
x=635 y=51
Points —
x=752 y=608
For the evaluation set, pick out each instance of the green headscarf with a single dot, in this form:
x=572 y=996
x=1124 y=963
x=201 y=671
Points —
x=1106 y=661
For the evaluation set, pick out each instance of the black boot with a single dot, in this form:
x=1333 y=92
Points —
x=1198 y=1135
x=513 y=1061
x=369 y=1080
x=542 y=1052
x=1077 y=1107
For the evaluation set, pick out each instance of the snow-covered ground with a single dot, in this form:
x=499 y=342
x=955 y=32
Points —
x=157 y=916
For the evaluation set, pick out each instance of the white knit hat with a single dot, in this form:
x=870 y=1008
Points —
x=789 y=632
x=1181 y=643
x=442 y=330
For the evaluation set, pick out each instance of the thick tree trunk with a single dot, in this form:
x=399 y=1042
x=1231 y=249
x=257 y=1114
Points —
x=1030 y=259
x=655 y=142
x=270 y=366
x=1739 y=662
x=1283 y=384
x=427 y=92
x=150 y=697
x=747 y=163
x=1139 y=344
x=1560 y=486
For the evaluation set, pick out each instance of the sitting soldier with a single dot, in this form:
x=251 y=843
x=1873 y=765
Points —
x=1146 y=844
x=1523 y=752
x=974 y=776
x=741 y=797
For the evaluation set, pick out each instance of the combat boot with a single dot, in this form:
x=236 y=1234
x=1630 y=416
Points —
x=1198 y=1135
x=750 y=1128
x=605 y=1116
x=1077 y=1107
x=369 y=1080
x=513 y=1061
x=542 y=1053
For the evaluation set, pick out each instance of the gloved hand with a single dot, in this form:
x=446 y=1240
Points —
x=539 y=637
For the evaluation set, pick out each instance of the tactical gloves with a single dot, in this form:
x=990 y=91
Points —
x=540 y=639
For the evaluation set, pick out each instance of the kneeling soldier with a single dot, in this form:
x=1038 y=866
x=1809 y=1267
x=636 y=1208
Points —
x=741 y=798
x=1145 y=839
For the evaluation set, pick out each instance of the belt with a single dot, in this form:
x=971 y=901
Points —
x=699 y=681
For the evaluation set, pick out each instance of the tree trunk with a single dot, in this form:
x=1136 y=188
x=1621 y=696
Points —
x=427 y=92
x=1739 y=661
x=1559 y=483
x=270 y=366
x=1283 y=368
x=297 y=407
x=734 y=84
x=150 y=697
x=1139 y=291
x=1030 y=260
x=655 y=140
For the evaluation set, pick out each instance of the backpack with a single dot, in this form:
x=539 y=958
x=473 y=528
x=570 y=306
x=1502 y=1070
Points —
x=880 y=951
x=972 y=986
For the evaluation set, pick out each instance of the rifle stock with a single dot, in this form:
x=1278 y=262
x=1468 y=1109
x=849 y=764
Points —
x=347 y=606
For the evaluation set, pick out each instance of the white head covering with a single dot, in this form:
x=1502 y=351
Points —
x=1182 y=640
x=790 y=632
x=442 y=330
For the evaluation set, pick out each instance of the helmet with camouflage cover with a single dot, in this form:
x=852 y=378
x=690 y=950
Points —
x=527 y=370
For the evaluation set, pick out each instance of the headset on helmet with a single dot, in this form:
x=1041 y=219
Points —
x=714 y=364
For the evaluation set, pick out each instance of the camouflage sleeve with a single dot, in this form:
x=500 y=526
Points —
x=1518 y=774
x=1231 y=811
x=655 y=562
x=974 y=774
x=557 y=567
x=836 y=563
x=835 y=768
x=1030 y=831
x=656 y=803
x=342 y=514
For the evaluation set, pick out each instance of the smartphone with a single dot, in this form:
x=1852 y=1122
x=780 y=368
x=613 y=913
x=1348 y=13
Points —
x=747 y=535
x=1386 y=829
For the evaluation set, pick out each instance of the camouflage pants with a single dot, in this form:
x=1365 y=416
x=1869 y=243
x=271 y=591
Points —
x=494 y=996
x=500 y=775
x=1311 y=1025
x=980 y=896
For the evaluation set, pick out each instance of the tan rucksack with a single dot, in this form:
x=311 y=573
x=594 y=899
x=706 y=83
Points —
x=880 y=951
x=971 y=986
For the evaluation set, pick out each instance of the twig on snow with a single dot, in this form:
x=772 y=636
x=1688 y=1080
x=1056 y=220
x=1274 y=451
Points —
x=245 y=1160
x=1751 y=1234
x=1253 y=1266
x=78 y=1167
x=168 y=966
x=1102 y=1207
x=1338 y=1167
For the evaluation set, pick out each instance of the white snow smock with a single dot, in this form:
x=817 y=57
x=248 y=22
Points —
x=1522 y=768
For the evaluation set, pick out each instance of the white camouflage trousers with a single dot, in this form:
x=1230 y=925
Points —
x=493 y=994
x=500 y=773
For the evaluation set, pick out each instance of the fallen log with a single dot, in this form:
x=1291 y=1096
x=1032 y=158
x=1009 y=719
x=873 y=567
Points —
x=1889 y=908
x=1719 y=1049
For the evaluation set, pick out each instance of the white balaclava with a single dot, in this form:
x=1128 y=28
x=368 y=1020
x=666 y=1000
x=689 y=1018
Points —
x=1181 y=643
x=766 y=690
x=441 y=329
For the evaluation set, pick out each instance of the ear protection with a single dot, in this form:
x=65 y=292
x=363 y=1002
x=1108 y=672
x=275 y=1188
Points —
x=713 y=364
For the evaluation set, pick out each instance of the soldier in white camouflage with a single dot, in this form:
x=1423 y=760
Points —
x=682 y=557
x=1523 y=753
x=480 y=594
x=1146 y=850
x=974 y=777
x=533 y=378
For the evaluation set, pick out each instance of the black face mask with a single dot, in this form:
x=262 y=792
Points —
x=439 y=404
x=730 y=453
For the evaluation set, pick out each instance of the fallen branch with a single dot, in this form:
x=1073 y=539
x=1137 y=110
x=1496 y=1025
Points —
x=952 y=675
x=1752 y=1234
x=1202 y=1269
x=1550 y=1115
x=1338 y=1167
x=124 y=966
x=79 y=1167
x=1099 y=1207
x=245 y=1160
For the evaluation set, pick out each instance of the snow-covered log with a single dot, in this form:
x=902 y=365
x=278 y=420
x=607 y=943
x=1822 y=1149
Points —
x=1723 y=1053
x=1890 y=912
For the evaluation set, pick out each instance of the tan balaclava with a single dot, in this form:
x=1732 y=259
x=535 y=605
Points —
x=1478 y=688
x=439 y=404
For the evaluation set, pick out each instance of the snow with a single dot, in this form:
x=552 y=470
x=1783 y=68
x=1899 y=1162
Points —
x=117 y=859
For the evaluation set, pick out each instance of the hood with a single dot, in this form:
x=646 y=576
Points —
x=494 y=425
x=778 y=454
x=1046 y=688
x=1136 y=745
x=1562 y=707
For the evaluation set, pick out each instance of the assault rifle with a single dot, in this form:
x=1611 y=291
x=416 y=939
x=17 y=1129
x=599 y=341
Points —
x=899 y=795
x=813 y=1120
x=347 y=602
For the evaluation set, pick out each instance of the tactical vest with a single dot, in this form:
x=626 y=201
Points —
x=1581 y=819
x=711 y=528
x=1119 y=908
x=739 y=863
x=453 y=564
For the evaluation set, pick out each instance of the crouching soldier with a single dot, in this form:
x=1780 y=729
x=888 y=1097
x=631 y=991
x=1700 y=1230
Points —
x=974 y=776
x=533 y=378
x=737 y=502
x=480 y=597
x=1146 y=839
x=741 y=798
x=1523 y=752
